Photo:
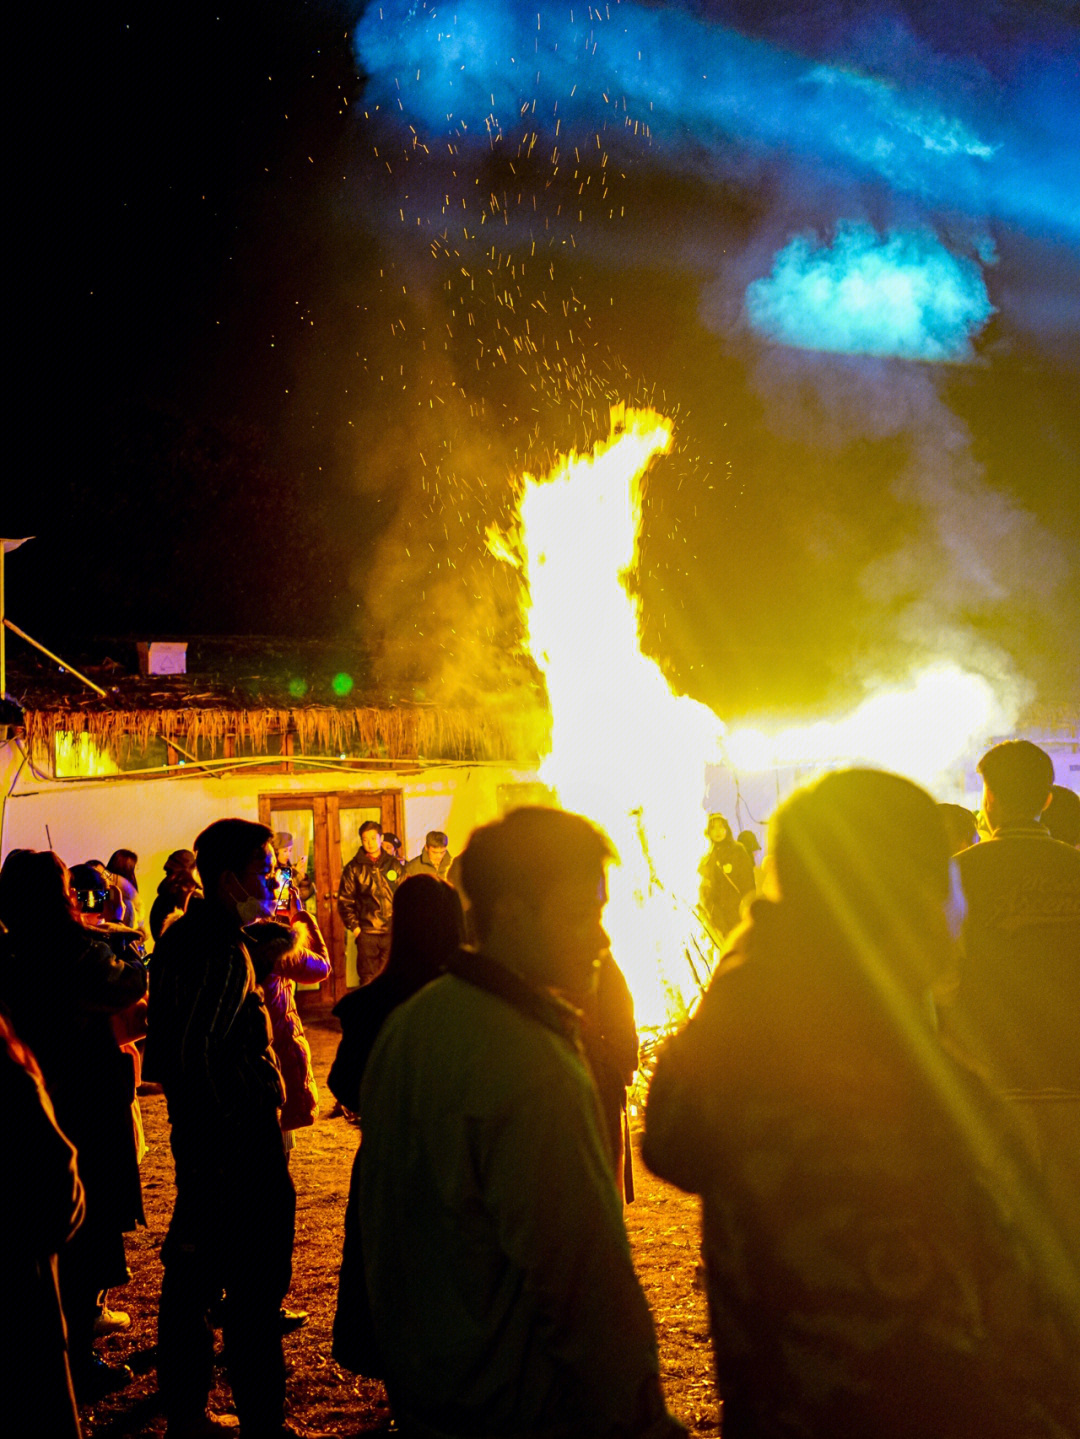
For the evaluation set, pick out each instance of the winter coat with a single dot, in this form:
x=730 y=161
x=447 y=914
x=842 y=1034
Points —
x=366 y=892
x=864 y=1215
x=295 y=965
x=61 y=990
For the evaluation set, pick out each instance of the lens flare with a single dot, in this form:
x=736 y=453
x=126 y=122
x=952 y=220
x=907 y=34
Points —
x=903 y=295
x=480 y=75
x=919 y=730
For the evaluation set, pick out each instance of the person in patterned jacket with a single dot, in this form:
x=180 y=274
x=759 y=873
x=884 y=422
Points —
x=881 y=1261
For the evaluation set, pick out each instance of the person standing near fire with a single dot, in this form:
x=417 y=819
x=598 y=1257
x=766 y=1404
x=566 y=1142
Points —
x=435 y=857
x=503 y=1295
x=366 y=899
x=727 y=877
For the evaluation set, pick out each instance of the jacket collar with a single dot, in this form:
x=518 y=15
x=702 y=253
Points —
x=535 y=1003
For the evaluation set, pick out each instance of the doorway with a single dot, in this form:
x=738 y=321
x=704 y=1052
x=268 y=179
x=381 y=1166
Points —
x=325 y=833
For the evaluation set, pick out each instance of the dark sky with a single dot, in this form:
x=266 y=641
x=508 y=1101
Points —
x=306 y=288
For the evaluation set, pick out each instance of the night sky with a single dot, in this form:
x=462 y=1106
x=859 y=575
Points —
x=306 y=287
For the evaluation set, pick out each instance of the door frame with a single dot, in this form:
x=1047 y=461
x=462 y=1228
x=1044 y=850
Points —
x=326 y=806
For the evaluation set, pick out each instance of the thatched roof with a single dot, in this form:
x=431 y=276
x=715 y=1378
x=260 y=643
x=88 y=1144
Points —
x=247 y=691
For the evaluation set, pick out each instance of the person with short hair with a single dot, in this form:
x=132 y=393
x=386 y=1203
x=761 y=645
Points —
x=209 y=1046
x=864 y=1215
x=1017 y=1005
x=435 y=858
x=960 y=825
x=366 y=900
x=62 y=988
x=1062 y=815
x=502 y=1290
x=426 y=934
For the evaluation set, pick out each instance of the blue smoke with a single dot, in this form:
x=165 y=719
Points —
x=903 y=295
x=511 y=74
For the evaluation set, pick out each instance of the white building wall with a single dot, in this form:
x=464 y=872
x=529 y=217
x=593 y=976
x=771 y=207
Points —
x=89 y=819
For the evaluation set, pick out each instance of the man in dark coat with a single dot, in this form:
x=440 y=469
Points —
x=366 y=900
x=1018 y=1003
x=209 y=1045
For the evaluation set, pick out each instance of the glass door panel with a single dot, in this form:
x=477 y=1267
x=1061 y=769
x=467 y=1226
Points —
x=346 y=812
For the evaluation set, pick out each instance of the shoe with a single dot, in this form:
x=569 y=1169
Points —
x=292 y=1319
x=202 y=1426
x=110 y=1321
x=94 y=1379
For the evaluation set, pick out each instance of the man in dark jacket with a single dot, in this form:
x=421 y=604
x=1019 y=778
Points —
x=1018 y=1002
x=209 y=1045
x=366 y=899
x=435 y=858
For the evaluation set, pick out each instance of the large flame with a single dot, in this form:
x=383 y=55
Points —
x=624 y=750
x=631 y=755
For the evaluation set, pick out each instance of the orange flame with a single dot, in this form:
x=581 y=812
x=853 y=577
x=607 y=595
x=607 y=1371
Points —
x=631 y=755
x=624 y=750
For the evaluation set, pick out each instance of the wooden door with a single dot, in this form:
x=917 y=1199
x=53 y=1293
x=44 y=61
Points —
x=325 y=829
x=346 y=812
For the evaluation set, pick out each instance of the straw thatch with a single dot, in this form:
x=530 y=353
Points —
x=242 y=697
x=396 y=732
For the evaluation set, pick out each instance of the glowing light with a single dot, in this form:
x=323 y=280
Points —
x=480 y=73
x=342 y=684
x=625 y=751
x=903 y=294
x=919 y=730
x=630 y=754
x=79 y=756
x=298 y=687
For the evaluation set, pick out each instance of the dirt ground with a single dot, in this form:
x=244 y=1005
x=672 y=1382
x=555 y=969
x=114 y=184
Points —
x=663 y=1225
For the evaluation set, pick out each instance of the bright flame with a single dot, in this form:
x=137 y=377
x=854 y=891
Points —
x=631 y=755
x=918 y=731
x=626 y=752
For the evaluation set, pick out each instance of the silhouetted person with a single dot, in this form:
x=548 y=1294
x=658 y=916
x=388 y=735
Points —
x=1062 y=815
x=41 y=1198
x=62 y=988
x=209 y=1045
x=961 y=826
x=858 y=1249
x=1017 y=1008
x=426 y=934
x=504 y=1298
x=727 y=877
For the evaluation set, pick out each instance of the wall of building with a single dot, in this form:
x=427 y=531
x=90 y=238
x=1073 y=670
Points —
x=89 y=819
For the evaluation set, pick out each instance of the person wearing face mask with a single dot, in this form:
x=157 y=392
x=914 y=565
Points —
x=209 y=1046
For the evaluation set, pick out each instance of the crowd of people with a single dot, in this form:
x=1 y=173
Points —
x=877 y=1098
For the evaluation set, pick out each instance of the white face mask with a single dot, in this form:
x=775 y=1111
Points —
x=251 y=909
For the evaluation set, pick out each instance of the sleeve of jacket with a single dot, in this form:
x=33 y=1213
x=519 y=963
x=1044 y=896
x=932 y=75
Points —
x=216 y=1008
x=105 y=984
x=689 y=1089
x=42 y=1195
x=349 y=897
x=303 y=966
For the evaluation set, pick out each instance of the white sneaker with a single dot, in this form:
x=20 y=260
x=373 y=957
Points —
x=110 y=1321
